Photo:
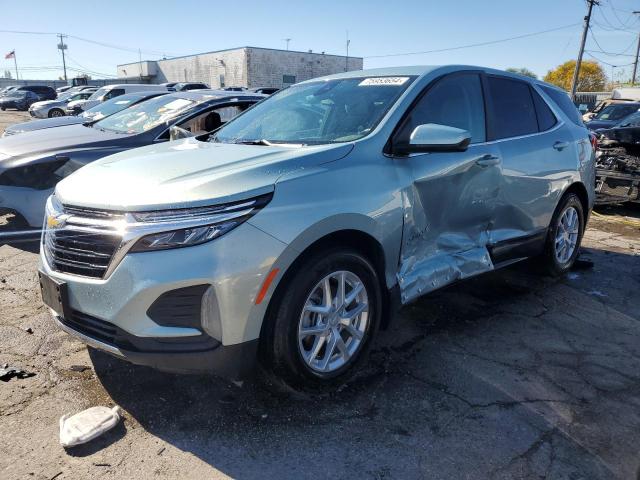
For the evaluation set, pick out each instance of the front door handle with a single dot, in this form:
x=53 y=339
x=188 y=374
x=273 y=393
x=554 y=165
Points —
x=560 y=145
x=488 y=160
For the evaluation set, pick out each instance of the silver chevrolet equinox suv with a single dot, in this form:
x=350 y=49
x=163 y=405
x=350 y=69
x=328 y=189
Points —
x=291 y=234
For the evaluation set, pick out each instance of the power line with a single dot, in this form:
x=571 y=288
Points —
x=481 y=44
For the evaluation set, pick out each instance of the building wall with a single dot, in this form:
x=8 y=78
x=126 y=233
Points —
x=245 y=67
x=266 y=68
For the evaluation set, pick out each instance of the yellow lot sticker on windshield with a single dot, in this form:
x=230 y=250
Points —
x=367 y=82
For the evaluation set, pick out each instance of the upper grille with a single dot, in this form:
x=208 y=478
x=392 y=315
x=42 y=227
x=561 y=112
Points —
x=82 y=247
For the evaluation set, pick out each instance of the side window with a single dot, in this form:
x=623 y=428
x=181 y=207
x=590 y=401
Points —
x=211 y=120
x=513 y=113
x=546 y=118
x=116 y=92
x=566 y=105
x=454 y=101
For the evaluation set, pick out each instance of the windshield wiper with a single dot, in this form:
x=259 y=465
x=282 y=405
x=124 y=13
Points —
x=261 y=141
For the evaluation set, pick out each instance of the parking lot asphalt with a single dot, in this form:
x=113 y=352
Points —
x=508 y=375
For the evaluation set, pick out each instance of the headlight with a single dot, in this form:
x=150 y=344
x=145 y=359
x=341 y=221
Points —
x=205 y=224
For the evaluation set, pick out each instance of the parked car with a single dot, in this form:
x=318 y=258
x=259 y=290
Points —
x=234 y=89
x=42 y=91
x=33 y=162
x=18 y=100
x=106 y=93
x=611 y=114
x=94 y=114
x=301 y=222
x=6 y=90
x=264 y=90
x=56 y=108
x=186 y=86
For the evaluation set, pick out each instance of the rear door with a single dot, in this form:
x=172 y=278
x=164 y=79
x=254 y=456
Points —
x=538 y=154
x=450 y=202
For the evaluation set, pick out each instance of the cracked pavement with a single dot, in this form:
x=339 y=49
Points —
x=505 y=376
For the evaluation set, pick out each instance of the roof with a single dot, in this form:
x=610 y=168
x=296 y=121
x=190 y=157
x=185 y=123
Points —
x=210 y=94
x=240 y=48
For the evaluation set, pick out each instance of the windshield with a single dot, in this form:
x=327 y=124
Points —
x=17 y=93
x=110 y=107
x=99 y=93
x=146 y=115
x=630 y=120
x=332 y=111
x=616 y=112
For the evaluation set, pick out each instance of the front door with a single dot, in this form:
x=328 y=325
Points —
x=450 y=202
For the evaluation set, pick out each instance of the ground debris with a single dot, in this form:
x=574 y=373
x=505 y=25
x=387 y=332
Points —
x=87 y=425
x=7 y=373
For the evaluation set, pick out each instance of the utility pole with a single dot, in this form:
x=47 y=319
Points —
x=287 y=40
x=346 y=59
x=635 y=64
x=587 y=20
x=62 y=47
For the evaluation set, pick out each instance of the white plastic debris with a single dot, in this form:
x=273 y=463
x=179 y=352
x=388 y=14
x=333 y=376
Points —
x=87 y=425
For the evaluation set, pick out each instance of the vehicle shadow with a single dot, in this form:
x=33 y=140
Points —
x=498 y=375
x=16 y=233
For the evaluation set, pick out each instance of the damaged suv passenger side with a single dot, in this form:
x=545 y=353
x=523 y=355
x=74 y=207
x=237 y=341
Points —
x=287 y=237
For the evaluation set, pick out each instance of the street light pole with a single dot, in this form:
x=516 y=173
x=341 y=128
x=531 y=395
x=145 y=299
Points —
x=62 y=47
x=576 y=72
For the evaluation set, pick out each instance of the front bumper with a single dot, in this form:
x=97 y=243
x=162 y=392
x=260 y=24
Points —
x=233 y=266
x=39 y=113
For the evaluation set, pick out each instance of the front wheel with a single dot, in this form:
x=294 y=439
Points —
x=321 y=327
x=56 y=112
x=564 y=236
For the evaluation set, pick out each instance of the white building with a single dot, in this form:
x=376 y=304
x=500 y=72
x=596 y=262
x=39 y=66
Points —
x=241 y=67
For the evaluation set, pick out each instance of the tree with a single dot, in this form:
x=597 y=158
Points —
x=522 y=71
x=591 y=78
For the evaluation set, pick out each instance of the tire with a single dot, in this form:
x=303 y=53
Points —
x=557 y=261
x=55 y=112
x=2 y=108
x=287 y=354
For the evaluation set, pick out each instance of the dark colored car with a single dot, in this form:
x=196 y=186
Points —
x=44 y=92
x=186 y=86
x=18 y=100
x=94 y=114
x=235 y=89
x=264 y=90
x=612 y=114
x=31 y=164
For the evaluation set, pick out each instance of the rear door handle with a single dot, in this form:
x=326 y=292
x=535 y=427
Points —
x=560 y=145
x=488 y=160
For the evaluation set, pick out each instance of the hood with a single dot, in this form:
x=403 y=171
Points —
x=187 y=173
x=48 y=141
x=596 y=124
x=43 y=123
x=44 y=103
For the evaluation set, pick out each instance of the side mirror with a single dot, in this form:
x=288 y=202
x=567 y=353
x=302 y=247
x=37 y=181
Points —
x=432 y=137
x=176 y=133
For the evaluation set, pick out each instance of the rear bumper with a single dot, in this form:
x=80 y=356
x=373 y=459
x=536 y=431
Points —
x=233 y=361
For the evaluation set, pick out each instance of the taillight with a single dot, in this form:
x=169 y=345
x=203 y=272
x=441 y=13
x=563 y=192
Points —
x=594 y=141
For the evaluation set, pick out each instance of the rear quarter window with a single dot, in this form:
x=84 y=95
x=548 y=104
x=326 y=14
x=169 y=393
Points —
x=546 y=118
x=562 y=100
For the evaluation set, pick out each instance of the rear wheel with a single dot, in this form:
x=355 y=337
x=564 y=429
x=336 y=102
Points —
x=56 y=112
x=321 y=328
x=564 y=236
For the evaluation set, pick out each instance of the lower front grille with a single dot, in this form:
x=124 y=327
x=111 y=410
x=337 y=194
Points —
x=91 y=327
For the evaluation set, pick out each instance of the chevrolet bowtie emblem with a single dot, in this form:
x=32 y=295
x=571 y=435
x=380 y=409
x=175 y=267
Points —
x=55 y=222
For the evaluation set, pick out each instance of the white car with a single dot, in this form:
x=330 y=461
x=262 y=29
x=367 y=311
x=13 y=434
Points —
x=57 y=107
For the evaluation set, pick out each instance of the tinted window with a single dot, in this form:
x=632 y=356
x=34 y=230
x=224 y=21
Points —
x=113 y=93
x=616 y=111
x=546 y=118
x=455 y=101
x=564 y=103
x=513 y=113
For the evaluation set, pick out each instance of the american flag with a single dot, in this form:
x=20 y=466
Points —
x=11 y=54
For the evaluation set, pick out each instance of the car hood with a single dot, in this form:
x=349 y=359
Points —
x=187 y=173
x=63 y=139
x=45 y=103
x=44 y=123
x=595 y=124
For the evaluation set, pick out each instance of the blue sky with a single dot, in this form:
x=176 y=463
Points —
x=375 y=28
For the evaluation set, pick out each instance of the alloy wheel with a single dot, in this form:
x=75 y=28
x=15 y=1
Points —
x=333 y=323
x=567 y=235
